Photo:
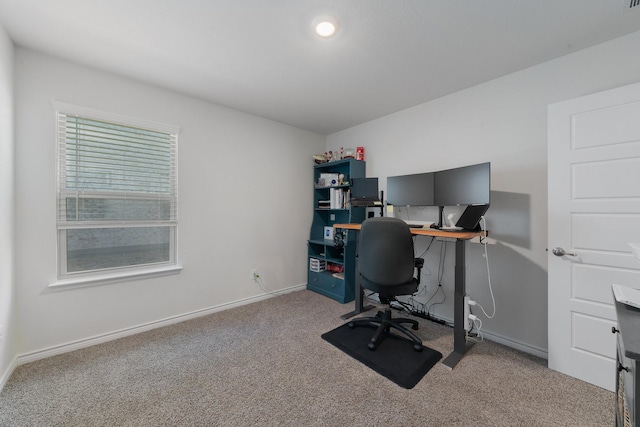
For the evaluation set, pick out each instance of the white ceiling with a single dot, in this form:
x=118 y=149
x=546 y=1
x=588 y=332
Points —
x=261 y=56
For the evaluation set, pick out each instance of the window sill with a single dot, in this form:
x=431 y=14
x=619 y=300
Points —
x=114 y=277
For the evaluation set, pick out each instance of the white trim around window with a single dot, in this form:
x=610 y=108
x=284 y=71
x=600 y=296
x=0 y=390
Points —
x=116 y=195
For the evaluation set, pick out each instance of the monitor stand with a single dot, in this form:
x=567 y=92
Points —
x=440 y=215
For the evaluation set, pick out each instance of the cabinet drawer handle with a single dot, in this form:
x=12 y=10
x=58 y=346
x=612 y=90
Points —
x=622 y=368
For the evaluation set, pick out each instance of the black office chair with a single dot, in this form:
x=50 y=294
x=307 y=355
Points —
x=386 y=263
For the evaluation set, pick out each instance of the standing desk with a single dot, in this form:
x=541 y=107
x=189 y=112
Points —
x=460 y=345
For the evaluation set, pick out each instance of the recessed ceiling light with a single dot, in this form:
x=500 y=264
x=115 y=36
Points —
x=325 y=29
x=325 y=26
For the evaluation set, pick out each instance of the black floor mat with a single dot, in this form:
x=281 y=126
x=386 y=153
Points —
x=394 y=358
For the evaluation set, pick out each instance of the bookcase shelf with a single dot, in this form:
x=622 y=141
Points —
x=336 y=285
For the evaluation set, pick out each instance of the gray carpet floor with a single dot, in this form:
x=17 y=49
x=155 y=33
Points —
x=265 y=364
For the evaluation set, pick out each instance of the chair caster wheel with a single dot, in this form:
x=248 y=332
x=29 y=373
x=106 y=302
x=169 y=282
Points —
x=371 y=346
x=417 y=347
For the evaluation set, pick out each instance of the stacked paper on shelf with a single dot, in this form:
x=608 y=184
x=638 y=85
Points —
x=337 y=198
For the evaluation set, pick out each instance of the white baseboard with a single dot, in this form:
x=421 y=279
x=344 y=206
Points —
x=508 y=342
x=7 y=374
x=110 y=336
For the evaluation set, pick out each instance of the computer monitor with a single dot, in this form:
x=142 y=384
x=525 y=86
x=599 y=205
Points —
x=411 y=190
x=468 y=185
x=364 y=189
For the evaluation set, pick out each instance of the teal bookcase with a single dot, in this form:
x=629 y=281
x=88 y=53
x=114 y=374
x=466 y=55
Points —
x=331 y=262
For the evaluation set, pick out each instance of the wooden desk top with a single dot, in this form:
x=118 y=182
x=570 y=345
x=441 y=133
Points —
x=426 y=231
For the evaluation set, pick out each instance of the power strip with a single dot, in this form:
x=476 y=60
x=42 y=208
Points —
x=467 y=313
x=428 y=317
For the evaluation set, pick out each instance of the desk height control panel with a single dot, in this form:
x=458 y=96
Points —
x=331 y=253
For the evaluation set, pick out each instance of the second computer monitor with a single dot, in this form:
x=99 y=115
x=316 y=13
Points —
x=411 y=190
x=467 y=185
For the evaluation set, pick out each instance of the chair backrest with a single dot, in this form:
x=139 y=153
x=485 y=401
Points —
x=385 y=253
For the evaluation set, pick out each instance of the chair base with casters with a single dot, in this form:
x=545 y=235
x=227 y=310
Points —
x=384 y=323
x=387 y=266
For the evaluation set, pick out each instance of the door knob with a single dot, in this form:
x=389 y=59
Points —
x=561 y=252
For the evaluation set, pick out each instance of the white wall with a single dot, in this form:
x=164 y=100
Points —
x=245 y=199
x=244 y=202
x=503 y=121
x=7 y=324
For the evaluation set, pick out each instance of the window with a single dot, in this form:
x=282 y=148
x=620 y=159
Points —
x=117 y=194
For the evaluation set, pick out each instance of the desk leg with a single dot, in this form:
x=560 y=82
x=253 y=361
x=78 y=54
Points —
x=359 y=294
x=460 y=346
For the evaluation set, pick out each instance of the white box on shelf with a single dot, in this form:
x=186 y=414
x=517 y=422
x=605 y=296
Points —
x=330 y=179
x=328 y=233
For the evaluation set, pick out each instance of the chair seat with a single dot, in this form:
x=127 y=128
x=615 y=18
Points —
x=408 y=288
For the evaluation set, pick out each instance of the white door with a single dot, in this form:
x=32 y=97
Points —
x=594 y=213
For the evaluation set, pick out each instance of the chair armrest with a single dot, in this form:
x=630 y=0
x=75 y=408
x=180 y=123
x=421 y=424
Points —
x=419 y=263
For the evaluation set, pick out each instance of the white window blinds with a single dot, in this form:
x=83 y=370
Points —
x=114 y=173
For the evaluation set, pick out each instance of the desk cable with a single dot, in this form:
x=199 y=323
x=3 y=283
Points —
x=423 y=285
x=477 y=323
x=425 y=310
x=443 y=256
x=264 y=288
x=433 y=238
x=486 y=257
